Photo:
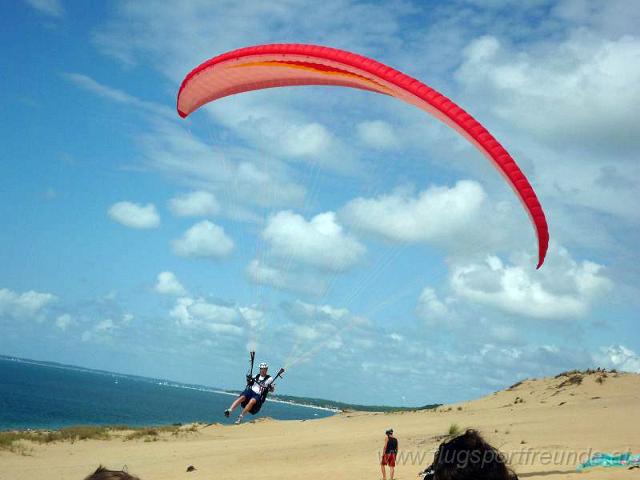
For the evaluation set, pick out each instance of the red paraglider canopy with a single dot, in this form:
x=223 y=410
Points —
x=280 y=65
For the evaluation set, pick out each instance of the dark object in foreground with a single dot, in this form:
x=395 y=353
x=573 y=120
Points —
x=468 y=457
x=102 y=473
x=191 y=468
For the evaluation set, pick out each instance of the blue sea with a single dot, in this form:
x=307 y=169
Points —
x=34 y=395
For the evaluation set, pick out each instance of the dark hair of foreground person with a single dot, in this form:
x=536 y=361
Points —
x=102 y=473
x=468 y=457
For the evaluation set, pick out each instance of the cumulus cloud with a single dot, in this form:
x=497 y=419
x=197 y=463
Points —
x=183 y=157
x=27 y=305
x=396 y=337
x=531 y=360
x=322 y=324
x=563 y=289
x=100 y=331
x=612 y=19
x=168 y=284
x=135 y=215
x=285 y=278
x=322 y=312
x=197 y=313
x=434 y=214
x=588 y=98
x=64 y=321
x=291 y=134
x=320 y=242
x=619 y=357
x=254 y=317
x=195 y=204
x=572 y=120
x=109 y=328
x=378 y=134
x=50 y=8
x=432 y=309
x=256 y=321
x=204 y=239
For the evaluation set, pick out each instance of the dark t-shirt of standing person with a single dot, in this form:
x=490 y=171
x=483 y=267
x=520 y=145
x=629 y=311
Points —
x=392 y=445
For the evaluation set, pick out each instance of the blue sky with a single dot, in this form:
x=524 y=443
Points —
x=343 y=234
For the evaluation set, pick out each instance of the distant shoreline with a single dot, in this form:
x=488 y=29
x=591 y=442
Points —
x=313 y=403
x=234 y=394
x=157 y=381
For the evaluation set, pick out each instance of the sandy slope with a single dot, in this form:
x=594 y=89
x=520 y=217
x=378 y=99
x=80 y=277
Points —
x=551 y=418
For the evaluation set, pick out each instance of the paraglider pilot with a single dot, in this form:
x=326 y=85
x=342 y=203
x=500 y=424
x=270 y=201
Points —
x=254 y=395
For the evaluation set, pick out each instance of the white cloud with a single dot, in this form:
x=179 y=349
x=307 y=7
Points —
x=378 y=134
x=322 y=324
x=195 y=204
x=169 y=148
x=189 y=312
x=435 y=213
x=204 y=239
x=396 y=337
x=433 y=310
x=202 y=315
x=573 y=121
x=320 y=242
x=51 y=8
x=587 y=98
x=168 y=284
x=100 y=331
x=285 y=278
x=139 y=34
x=285 y=128
x=563 y=289
x=619 y=357
x=87 y=83
x=105 y=330
x=29 y=305
x=611 y=19
x=64 y=321
x=238 y=176
x=135 y=215
x=321 y=312
x=254 y=317
x=105 y=326
x=288 y=133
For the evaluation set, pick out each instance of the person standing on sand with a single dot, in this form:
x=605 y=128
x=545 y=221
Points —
x=389 y=452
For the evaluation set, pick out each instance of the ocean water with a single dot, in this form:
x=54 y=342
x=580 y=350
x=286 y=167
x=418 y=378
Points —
x=43 y=396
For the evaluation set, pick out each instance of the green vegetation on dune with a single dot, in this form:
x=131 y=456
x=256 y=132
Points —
x=13 y=440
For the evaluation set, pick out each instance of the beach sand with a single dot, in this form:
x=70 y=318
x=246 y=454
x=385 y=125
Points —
x=553 y=416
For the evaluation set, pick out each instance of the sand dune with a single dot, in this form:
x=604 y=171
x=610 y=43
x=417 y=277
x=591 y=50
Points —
x=553 y=419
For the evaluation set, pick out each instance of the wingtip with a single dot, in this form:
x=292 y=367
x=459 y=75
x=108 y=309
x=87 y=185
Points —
x=541 y=259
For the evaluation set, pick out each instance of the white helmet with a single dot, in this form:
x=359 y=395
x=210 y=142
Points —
x=264 y=365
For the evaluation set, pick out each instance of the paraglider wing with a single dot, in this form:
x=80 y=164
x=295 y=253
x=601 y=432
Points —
x=280 y=65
